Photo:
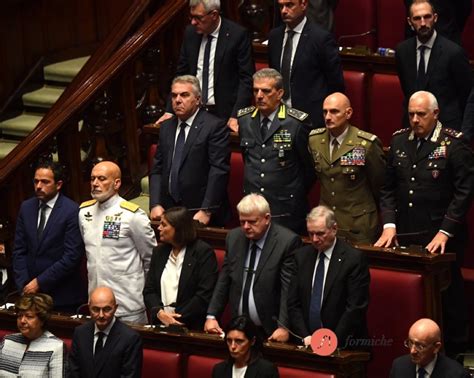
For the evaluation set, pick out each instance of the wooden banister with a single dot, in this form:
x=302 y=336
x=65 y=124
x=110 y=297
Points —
x=97 y=75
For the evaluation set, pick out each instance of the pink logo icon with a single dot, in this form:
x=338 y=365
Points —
x=323 y=342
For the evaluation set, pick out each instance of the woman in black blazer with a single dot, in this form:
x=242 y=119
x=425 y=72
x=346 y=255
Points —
x=182 y=275
x=245 y=347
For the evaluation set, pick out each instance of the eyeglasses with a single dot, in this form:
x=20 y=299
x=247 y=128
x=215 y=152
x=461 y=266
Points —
x=96 y=310
x=418 y=347
x=199 y=17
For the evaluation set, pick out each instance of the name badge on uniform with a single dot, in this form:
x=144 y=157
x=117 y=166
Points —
x=111 y=227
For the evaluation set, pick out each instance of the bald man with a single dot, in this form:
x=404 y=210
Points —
x=424 y=360
x=350 y=165
x=105 y=347
x=119 y=242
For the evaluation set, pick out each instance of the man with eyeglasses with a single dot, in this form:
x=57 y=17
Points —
x=218 y=52
x=105 y=347
x=431 y=62
x=330 y=287
x=256 y=273
x=424 y=360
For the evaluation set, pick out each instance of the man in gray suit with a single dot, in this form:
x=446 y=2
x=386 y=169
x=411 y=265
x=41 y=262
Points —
x=256 y=273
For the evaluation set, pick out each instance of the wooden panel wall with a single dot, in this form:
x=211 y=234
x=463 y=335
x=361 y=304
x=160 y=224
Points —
x=30 y=29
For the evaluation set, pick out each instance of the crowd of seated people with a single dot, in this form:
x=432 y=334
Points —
x=422 y=189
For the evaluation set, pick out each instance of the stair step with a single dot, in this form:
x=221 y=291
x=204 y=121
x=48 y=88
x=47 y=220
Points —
x=64 y=71
x=20 y=126
x=44 y=97
x=6 y=146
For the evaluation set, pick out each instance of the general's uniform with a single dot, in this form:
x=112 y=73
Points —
x=428 y=191
x=280 y=166
x=350 y=180
x=119 y=242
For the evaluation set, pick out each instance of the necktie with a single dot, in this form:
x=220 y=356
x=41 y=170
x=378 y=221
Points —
x=421 y=75
x=248 y=280
x=421 y=142
x=286 y=63
x=42 y=222
x=315 y=304
x=335 y=147
x=175 y=164
x=205 y=70
x=421 y=373
x=264 y=128
x=99 y=344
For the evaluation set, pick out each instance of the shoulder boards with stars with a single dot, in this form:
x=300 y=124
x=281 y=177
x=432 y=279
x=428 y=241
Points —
x=87 y=203
x=401 y=131
x=365 y=135
x=298 y=114
x=244 y=111
x=453 y=133
x=317 y=131
x=129 y=206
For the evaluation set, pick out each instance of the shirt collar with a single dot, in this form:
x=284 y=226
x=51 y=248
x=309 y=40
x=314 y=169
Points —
x=340 y=138
x=51 y=202
x=190 y=120
x=110 y=202
x=215 y=33
x=107 y=329
x=261 y=242
x=429 y=367
x=328 y=252
x=429 y=43
x=271 y=116
x=298 y=28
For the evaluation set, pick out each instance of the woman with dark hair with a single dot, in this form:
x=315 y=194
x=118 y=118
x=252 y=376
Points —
x=182 y=275
x=34 y=352
x=245 y=347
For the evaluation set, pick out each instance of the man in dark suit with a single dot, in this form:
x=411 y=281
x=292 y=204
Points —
x=308 y=59
x=48 y=245
x=229 y=67
x=191 y=164
x=428 y=188
x=433 y=63
x=256 y=273
x=274 y=142
x=105 y=347
x=424 y=343
x=452 y=17
x=330 y=287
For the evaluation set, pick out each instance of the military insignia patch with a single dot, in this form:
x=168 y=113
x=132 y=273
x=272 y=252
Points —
x=439 y=152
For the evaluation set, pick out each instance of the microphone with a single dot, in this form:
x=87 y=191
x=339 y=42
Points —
x=78 y=315
x=280 y=324
x=7 y=297
x=349 y=36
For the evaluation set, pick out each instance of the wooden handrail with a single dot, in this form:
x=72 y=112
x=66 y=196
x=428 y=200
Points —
x=84 y=92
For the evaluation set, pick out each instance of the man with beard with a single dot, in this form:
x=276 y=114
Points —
x=431 y=62
x=48 y=246
x=119 y=242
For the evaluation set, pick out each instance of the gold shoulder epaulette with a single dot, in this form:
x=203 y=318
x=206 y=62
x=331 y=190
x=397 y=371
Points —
x=365 y=135
x=129 y=206
x=401 y=131
x=87 y=203
x=244 y=111
x=317 y=131
x=453 y=133
x=298 y=114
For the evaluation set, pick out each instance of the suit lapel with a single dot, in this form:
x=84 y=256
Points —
x=221 y=46
x=279 y=42
x=252 y=371
x=301 y=48
x=186 y=271
x=434 y=58
x=195 y=45
x=268 y=248
x=276 y=123
x=194 y=131
x=337 y=259
x=307 y=277
x=324 y=146
x=242 y=248
x=412 y=67
x=55 y=211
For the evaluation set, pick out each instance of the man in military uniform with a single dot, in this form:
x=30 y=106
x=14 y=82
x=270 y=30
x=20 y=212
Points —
x=350 y=165
x=274 y=141
x=427 y=192
x=119 y=242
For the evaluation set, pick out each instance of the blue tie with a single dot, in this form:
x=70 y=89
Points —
x=315 y=305
x=176 y=163
x=421 y=373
